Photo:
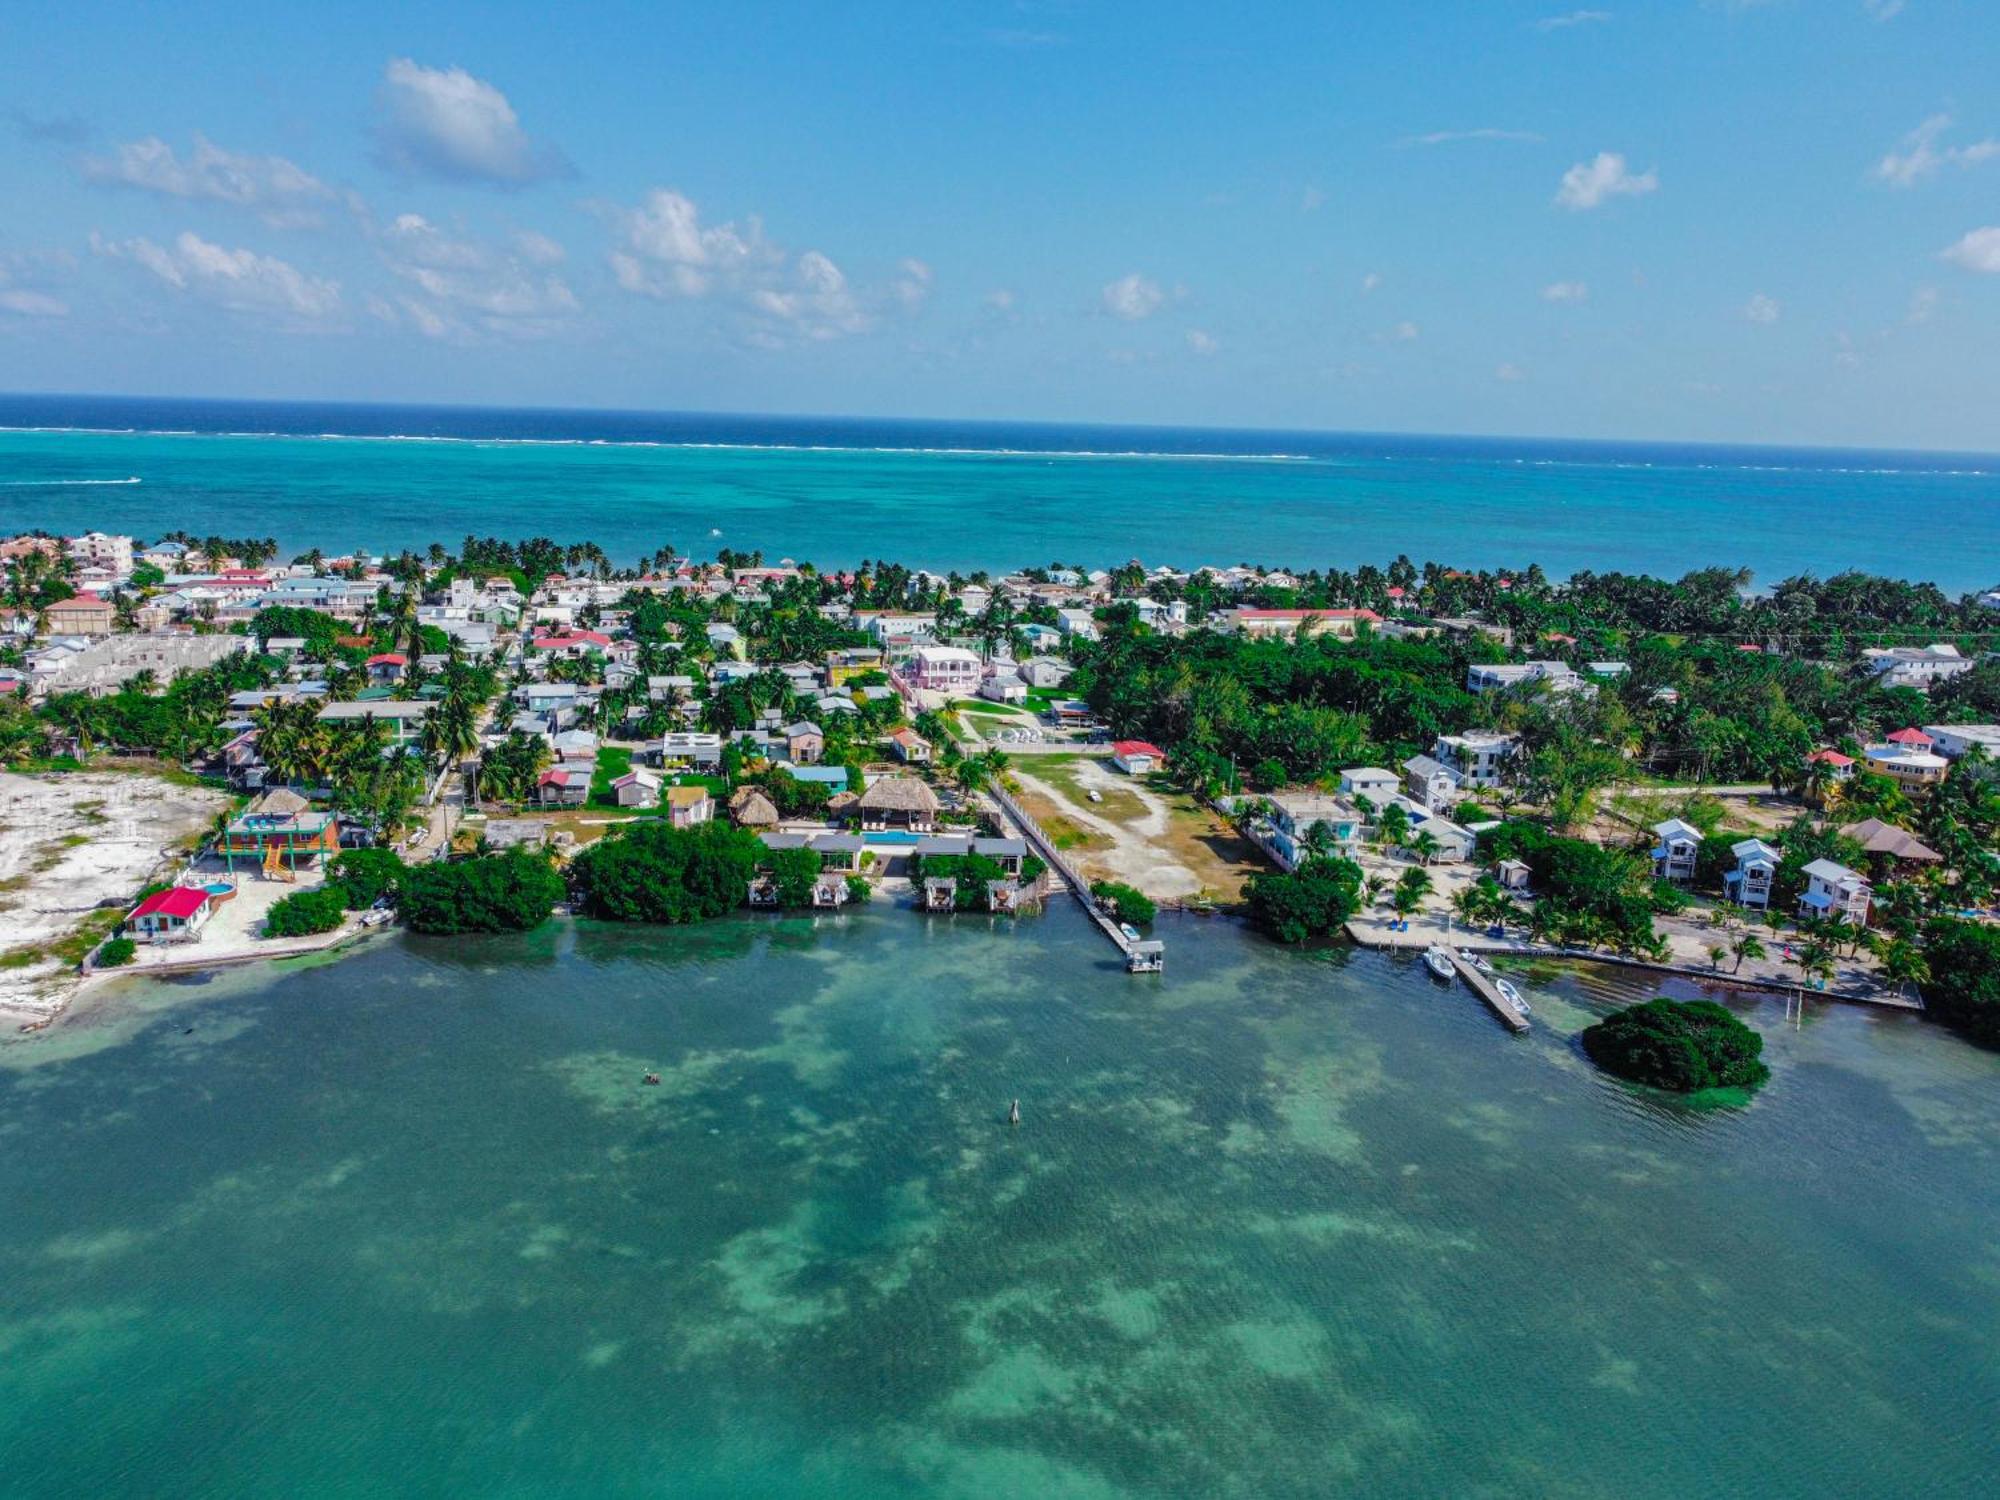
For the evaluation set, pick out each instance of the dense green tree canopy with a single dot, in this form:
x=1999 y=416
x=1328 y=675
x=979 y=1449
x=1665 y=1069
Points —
x=1681 y=1045
x=510 y=892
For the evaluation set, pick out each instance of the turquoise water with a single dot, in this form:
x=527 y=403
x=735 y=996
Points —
x=989 y=496
x=1272 y=1225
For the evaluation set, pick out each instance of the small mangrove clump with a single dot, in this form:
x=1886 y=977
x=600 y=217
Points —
x=1684 y=1046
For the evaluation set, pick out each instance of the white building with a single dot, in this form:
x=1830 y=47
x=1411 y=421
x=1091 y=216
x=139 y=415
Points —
x=1674 y=854
x=1372 y=782
x=1955 y=740
x=947 y=669
x=1294 y=816
x=1749 y=884
x=1478 y=759
x=96 y=549
x=1498 y=676
x=1835 y=892
x=1916 y=666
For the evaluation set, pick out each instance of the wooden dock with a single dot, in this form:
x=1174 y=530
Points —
x=1511 y=1015
x=1142 y=955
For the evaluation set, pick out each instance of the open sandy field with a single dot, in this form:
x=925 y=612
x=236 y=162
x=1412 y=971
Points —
x=1144 y=833
x=73 y=850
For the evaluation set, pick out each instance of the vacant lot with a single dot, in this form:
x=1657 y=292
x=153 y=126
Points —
x=70 y=844
x=1140 y=831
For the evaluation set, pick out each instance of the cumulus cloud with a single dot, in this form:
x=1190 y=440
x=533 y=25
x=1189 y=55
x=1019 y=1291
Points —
x=1922 y=156
x=1762 y=309
x=818 y=304
x=1371 y=281
x=24 y=301
x=240 y=280
x=1978 y=251
x=1132 y=297
x=1202 y=342
x=1479 y=133
x=1565 y=291
x=443 y=122
x=281 y=192
x=664 y=250
x=538 y=249
x=460 y=287
x=1573 y=18
x=1590 y=183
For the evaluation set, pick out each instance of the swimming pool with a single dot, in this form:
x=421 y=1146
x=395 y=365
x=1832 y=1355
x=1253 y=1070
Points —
x=891 y=836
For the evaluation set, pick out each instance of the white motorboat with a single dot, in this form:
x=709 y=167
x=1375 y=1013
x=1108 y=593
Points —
x=1440 y=962
x=1510 y=994
x=1477 y=960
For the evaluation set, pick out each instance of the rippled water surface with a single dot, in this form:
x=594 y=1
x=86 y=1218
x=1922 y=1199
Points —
x=1273 y=1224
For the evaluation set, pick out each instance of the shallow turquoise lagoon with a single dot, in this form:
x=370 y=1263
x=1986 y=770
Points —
x=1273 y=1224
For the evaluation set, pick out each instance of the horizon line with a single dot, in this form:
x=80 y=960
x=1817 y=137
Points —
x=349 y=403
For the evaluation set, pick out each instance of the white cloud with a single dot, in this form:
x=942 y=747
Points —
x=538 y=249
x=1201 y=342
x=1923 y=303
x=1510 y=374
x=1404 y=332
x=240 y=280
x=461 y=287
x=1565 y=291
x=443 y=122
x=1883 y=10
x=665 y=251
x=1921 y=157
x=1481 y=133
x=1978 y=251
x=1589 y=183
x=818 y=304
x=1573 y=18
x=1133 y=297
x=1001 y=299
x=1371 y=281
x=912 y=286
x=1762 y=309
x=281 y=192
x=25 y=301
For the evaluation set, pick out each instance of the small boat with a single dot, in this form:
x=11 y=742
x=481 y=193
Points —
x=1439 y=960
x=1132 y=934
x=1477 y=960
x=1511 y=995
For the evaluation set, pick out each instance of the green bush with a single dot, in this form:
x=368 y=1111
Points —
x=1963 y=990
x=1314 y=901
x=304 y=913
x=859 y=891
x=117 y=953
x=651 y=872
x=1131 y=905
x=510 y=892
x=367 y=875
x=1681 y=1045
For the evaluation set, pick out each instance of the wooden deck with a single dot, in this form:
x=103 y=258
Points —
x=1144 y=956
x=1511 y=1015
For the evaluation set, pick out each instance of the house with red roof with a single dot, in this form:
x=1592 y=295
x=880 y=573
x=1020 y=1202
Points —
x=563 y=786
x=81 y=614
x=571 y=643
x=1137 y=757
x=1910 y=739
x=174 y=915
x=385 y=667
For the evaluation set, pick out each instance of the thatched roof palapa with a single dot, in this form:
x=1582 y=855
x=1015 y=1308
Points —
x=751 y=807
x=904 y=794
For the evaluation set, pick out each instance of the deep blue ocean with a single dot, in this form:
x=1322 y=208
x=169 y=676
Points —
x=990 y=495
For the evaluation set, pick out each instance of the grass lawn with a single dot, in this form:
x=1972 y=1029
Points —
x=613 y=761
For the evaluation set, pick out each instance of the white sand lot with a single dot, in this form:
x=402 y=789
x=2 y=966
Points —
x=68 y=844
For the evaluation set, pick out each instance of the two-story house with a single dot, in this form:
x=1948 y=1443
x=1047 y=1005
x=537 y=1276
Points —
x=1674 y=854
x=1835 y=892
x=1294 y=816
x=1749 y=884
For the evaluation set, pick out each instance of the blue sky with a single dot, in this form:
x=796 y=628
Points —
x=1772 y=221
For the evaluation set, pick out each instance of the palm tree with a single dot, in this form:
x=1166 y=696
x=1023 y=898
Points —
x=1423 y=845
x=1745 y=946
x=1903 y=964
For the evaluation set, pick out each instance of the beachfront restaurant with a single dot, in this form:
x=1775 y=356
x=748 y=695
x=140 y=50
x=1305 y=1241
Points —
x=279 y=829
